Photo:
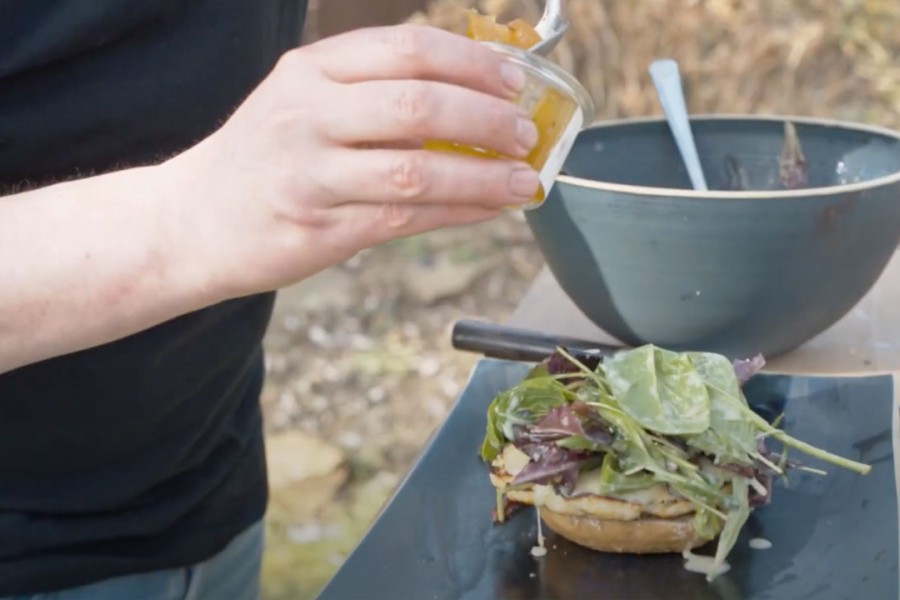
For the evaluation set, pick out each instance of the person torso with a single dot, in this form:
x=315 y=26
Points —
x=145 y=453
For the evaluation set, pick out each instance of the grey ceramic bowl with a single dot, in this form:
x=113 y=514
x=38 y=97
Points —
x=738 y=272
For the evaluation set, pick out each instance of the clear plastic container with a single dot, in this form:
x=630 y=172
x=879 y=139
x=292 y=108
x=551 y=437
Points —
x=560 y=108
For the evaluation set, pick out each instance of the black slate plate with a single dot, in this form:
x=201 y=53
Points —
x=833 y=537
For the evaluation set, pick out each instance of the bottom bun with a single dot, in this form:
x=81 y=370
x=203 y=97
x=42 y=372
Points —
x=641 y=536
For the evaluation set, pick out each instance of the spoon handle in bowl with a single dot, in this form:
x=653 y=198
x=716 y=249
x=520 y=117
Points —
x=667 y=81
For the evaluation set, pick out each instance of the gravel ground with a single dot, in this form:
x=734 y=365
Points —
x=360 y=354
x=361 y=372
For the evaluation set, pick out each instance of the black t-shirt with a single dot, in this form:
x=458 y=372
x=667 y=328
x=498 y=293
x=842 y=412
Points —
x=145 y=453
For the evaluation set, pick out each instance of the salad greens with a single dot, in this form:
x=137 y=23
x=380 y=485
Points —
x=661 y=390
x=647 y=416
x=792 y=168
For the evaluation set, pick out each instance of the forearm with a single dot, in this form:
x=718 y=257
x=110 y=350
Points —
x=306 y=172
x=87 y=262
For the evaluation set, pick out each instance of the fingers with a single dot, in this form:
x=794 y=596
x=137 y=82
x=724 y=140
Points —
x=417 y=52
x=395 y=111
x=401 y=220
x=379 y=223
x=424 y=177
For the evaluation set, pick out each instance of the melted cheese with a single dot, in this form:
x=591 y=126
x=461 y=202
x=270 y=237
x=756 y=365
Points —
x=513 y=460
x=598 y=506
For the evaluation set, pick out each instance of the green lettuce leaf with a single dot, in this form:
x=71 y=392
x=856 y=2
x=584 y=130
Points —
x=659 y=389
x=613 y=481
x=524 y=404
x=637 y=450
x=731 y=437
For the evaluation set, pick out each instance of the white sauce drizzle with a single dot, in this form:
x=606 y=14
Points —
x=540 y=549
x=705 y=565
x=759 y=544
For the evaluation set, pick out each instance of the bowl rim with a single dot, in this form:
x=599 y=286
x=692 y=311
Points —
x=830 y=190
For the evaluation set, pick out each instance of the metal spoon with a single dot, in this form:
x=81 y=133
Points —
x=667 y=80
x=552 y=26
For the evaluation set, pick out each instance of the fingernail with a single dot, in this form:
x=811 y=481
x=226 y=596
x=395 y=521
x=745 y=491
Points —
x=524 y=182
x=512 y=76
x=526 y=134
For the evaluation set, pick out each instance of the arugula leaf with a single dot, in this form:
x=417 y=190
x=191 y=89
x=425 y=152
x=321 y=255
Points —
x=630 y=440
x=696 y=489
x=638 y=450
x=764 y=428
x=659 y=389
x=579 y=442
x=613 y=481
x=792 y=442
x=734 y=522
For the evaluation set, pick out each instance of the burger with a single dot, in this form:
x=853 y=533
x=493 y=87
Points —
x=642 y=451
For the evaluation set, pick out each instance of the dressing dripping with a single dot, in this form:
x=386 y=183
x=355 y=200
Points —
x=540 y=549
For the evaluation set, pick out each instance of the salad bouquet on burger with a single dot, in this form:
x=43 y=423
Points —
x=643 y=451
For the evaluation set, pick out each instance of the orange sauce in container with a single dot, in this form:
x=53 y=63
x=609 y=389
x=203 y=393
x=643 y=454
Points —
x=559 y=106
x=518 y=32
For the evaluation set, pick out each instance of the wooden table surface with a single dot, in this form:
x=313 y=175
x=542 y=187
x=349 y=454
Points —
x=865 y=341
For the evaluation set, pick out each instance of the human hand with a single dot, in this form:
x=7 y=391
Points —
x=324 y=158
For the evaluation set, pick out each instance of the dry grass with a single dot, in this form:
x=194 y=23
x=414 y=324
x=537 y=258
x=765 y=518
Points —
x=833 y=58
x=827 y=58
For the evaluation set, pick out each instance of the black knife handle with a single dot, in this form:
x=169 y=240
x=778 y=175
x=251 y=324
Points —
x=512 y=343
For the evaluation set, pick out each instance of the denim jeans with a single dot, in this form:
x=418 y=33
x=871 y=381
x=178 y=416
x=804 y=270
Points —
x=232 y=574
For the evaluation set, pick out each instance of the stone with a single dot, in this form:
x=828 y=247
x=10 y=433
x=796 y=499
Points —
x=305 y=474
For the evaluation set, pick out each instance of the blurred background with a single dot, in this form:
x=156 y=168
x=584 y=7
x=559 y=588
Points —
x=360 y=368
